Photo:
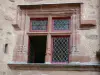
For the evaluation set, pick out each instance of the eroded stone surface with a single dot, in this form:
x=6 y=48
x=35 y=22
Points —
x=12 y=0
x=85 y=46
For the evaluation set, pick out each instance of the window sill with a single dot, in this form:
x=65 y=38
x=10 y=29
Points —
x=64 y=67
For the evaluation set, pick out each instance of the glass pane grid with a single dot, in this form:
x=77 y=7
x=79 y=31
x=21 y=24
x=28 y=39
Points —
x=60 y=49
x=39 y=24
x=61 y=24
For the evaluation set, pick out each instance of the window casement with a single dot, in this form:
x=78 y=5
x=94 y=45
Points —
x=39 y=24
x=61 y=24
x=58 y=40
x=60 y=49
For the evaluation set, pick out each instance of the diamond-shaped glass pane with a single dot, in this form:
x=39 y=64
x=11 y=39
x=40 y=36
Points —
x=60 y=49
x=61 y=24
x=39 y=24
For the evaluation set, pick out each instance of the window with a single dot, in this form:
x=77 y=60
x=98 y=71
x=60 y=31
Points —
x=61 y=24
x=38 y=24
x=60 y=48
x=51 y=40
x=41 y=26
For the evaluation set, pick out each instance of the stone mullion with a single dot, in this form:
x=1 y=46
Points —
x=48 y=49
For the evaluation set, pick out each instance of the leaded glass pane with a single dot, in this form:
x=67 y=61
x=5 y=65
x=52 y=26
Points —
x=61 y=24
x=39 y=24
x=60 y=49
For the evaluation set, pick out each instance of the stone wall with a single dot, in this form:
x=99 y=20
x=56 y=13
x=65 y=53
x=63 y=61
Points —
x=88 y=39
x=42 y=72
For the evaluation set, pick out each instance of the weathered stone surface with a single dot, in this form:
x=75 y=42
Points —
x=33 y=0
x=12 y=0
x=92 y=37
x=86 y=45
x=8 y=18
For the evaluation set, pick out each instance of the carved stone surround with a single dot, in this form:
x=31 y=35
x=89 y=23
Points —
x=25 y=12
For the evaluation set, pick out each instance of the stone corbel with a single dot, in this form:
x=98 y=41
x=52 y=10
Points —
x=88 y=23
